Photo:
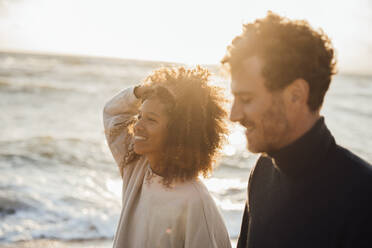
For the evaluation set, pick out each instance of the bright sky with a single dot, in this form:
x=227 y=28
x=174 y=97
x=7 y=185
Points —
x=189 y=31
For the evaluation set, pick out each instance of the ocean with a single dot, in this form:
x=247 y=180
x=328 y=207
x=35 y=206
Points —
x=58 y=179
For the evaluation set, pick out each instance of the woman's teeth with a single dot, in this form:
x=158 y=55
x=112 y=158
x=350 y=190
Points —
x=139 y=137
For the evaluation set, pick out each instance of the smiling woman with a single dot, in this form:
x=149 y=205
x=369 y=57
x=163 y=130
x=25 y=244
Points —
x=150 y=129
x=178 y=126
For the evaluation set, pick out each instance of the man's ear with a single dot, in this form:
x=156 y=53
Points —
x=297 y=93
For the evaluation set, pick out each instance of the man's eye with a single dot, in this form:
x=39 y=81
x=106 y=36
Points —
x=246 y=100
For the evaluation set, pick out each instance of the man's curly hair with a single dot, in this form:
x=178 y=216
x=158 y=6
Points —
x=290 y=49
x=197 y=117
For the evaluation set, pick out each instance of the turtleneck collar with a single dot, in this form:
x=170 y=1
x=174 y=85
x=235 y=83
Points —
x=303 y=156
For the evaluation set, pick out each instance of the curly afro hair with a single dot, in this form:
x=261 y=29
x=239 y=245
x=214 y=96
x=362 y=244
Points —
x=197 y=126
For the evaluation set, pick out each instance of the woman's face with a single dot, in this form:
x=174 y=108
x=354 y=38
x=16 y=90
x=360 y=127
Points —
x=151 y=128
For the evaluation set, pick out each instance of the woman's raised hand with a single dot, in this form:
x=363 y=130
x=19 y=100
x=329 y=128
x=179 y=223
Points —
x=140 y=90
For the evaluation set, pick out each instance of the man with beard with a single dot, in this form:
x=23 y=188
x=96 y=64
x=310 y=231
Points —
x=305 y=190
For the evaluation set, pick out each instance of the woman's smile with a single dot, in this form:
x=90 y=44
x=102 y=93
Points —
x=140 y=138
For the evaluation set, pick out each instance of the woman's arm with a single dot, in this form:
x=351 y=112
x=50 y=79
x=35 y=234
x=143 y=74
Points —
x=118 y=114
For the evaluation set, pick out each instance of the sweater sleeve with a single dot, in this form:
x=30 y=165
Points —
x=119 y=113
x=204 y=224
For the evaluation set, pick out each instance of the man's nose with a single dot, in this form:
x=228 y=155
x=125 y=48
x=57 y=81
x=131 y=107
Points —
x=236 y=113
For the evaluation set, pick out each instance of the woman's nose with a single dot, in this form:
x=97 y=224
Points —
x=138 y=125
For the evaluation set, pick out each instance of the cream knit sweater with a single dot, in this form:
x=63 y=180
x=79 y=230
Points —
x=153 y=215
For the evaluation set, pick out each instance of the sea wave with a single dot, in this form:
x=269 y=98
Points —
x=52 y=151
x=29 y=86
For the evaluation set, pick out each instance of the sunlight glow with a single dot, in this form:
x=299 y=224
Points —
x=228 y=205
x=221 y=184
x=172 y=30
x=114 y=186
x=229 y=150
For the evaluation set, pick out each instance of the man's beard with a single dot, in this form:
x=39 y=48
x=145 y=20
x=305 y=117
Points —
x=274 y=128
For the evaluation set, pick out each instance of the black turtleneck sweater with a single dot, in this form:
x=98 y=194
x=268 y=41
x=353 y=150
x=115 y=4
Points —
x=311 y=193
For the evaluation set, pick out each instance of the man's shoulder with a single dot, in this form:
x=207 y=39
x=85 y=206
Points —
x=264 y=161
x=351 y=161
x=262 y=171
x=357 y=171
x=264 y=164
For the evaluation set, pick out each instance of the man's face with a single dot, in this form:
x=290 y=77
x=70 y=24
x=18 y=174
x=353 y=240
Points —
x=260 y=111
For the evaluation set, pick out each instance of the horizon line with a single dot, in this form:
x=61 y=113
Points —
x=107 y=57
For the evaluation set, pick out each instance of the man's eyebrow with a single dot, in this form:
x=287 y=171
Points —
x=149 y=113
